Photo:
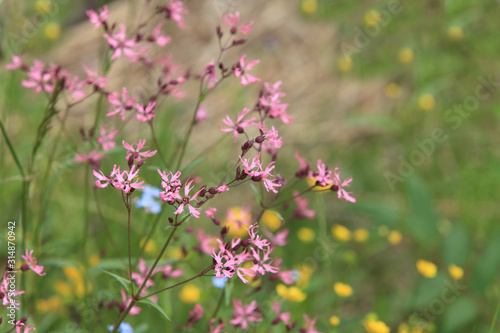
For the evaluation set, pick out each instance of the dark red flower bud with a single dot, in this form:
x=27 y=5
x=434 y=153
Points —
x=212 y=190
x=233 y=30
x=25 y=267
x=257 y=178
x=239 y=41
x=334 y=188
x=218 y=30
x=260 y=139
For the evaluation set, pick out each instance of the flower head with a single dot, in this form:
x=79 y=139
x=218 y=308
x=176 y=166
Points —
x=241 y=71
x=232 y=20
x=98 y=19
x=31 y=263
x=244 y=314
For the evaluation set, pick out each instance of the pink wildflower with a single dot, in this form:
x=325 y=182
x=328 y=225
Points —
x=323 y=175
x=98 y=19
x=241 y=68
x=281 y=317
x=121 y=44
x=93 y=158
x=232 y=21
x=158 y=38
x=340 y=191
x=270 y=102
x=135 y=153
x=210 y=212
x=126 y=103
x=303 y=166
x=271 y=135
x=242 y=315
x=175 y=12
x=9 y=295
x=31 y=263
x=140 y=277
x=195 y=315
x=168 y=271
x=310 y=323
x=20 y=324
x=145 y=113
x=301 y=210
x=124 y=180
x=185 y=201
x=216 y=329
x=206 y=242
x=238 y=126
x=106 y=139
x=135 y=310
x=255 y=239
x=17 y=63
x=259 y=265
x=39 y=78
x=100 y=82
x=201 y=114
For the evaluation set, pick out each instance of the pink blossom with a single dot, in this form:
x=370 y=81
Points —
x=168 y=271
x=279 y=239
x=303 y=166
x=238 y=126
x=323 y=175
x=185 y=201
x=140 y=277
x=121 y=44
x=171 y=185
x=9 y=295
x=195 y=315
x=135 y=310
x=281 y=317
x=27 y=328
x=271 y=135
x=255 y=239
x=145 y=113
x=310 y=323
x=222 y=188
x=93 y=78
x=217 y=329
x=301 y=210
x=342 y=194
x=106 y=139
x=241 y=68
x=201 y=114
x=75 y=86
x=17 y=62
x=39 y=78
x=135 y=153
x=288 y=277
x=93 y=158
x=98 y=19
x=158 y=38
x=232 y=21
x=242 y=315
x=248 y=167
x=210 y=212
x=259 y=264
x=270 y=102
x=126 y=103
x=212 y=75
x=175 y=12
x=124 y=181
x=31 y=263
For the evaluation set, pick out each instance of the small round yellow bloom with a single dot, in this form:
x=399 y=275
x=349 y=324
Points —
x=43 y=6
x=306 y=235
x=62 y=288
x=456 y=272
x=393 y=90
x=305 y=273
x=52 y=31
x=341 y=233
x=405 y=55
x=345 y=63
x=190 y=294
x=342 y=289
x=309 y=6
x=403 y=328
x=361 y=235
x=293 y=294
x=372 y=17
x=426 y=268
x=334 y=321
x=53 y=304
x=376 y=326
x=150 y=246
x=426 y=102
x=455 y=33
x=394 y=237
x=271 y=220
x=94 y=260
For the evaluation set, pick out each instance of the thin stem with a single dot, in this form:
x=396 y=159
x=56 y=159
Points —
x=495 y=318
x=219 y=303
x=99 y=212
x=12 y=150
x=129 y=209
x=157 y=144
x=180 y=283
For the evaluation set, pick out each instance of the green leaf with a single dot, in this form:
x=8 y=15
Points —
x=149 y=302
x=422 y=219
x=123 y=281
x=427 y=290
x=459 y=314
x=487 y=267
x=456 y=245
x=256 y=192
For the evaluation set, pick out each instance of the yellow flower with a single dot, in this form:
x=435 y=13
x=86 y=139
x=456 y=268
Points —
x=455 y=33
x=456 y=272
x=175 y=253
x=52 y=31
x=306 y=235
x=376 y=326
x=394 y=237
x=361 y=235
x=150 y=247
x=309 y=6
x=62 y=288
x=53 y=304
x=372 y=17
x=345 y=63
x=334 y=321
x=405 y=55
x=426 y=102
x=293 y=294
x=426 y=268
x=305 y=273
x=392 y=90
x=77 y=281
x=403 y=328
x=43 y=6
x=238 y=219
x=94 y=260
x=311 y=181
x=190 y=293
x=342 y=289
x=271 y=220
x=341 y=233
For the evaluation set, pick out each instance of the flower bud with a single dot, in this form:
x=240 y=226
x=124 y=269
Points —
x=260 y=139
x=239 y=41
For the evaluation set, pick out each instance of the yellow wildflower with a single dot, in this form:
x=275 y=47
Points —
x=405 y=55
x=309 y=6
x=345 y=63
x=52 y=30
x=372 y=17
x=190 y=294
x=361 y=235
x=426 y=102
x=455 y=33
x=293 y=294
x=342 y=289
x=426 y=268
x=394 y=237
x=306 y=235
x=334 y=321
x=376 y=326
x=341 y=233
x=271 y=220
x=238 y=219
x=392 y=90
x=456 y=272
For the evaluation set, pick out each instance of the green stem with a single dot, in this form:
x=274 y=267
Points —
x=12 y=150
x=219 y=303
x=495 y=318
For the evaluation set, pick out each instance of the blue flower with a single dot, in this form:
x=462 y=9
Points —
x=219 y=282
x=148 y=200
x=124 y=328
